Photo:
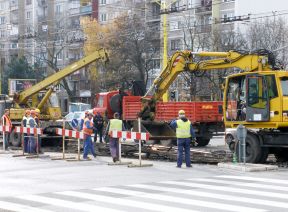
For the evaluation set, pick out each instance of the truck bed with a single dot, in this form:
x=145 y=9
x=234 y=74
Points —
x=205 y=111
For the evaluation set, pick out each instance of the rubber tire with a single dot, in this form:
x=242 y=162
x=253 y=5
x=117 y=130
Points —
x=253 y=149
x=264 y=155
x=115 y=103
x=202 y=141
x=15 y=138
x=229 y=141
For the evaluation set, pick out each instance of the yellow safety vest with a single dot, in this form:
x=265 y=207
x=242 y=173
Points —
x=115 y=124
x=183 y=129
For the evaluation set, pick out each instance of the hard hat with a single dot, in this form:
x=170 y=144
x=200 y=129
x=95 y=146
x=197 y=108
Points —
x=181 y=112
x=27 y=112
x=37 y=110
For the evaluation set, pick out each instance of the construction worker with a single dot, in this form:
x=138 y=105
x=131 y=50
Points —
x=24 y=124
x=5 y=121
x=37 y=120
x=88 y=131
x=184 y=132
x=82 y=120
x=114 y=124
x=31 y=123
x=98 y=124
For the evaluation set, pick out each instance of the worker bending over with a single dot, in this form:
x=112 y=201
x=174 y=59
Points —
x=184 y=133
x=114 y=124
x=88 y=128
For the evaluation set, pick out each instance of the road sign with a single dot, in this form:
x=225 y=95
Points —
x=74 y=123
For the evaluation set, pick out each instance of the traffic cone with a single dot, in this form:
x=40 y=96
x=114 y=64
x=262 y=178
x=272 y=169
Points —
x=234 y=158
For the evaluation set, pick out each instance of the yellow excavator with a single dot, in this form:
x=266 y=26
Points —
x=257 y=96
x=42 y=96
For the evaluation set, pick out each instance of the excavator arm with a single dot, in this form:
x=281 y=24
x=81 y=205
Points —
x=184 y=61
x=54 y=79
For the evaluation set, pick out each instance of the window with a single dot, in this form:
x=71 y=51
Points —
x=284 y=85
x=190 y=3
x=103 y=2
x=155 y=9
x=2 y=6
x=257 y=94
x=272 y=87
x=2 y=46
x=175 y=44
x=175 y=6
x=28 y=2
x=14 y=45
x=2 y=34
x=2 y=20
x=103 y=17
x=58 y=9
x=60 y=56
x=28 y=15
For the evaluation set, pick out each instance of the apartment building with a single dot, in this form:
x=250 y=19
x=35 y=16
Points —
x=44 y=30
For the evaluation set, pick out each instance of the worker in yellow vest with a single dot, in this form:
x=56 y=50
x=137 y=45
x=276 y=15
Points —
x=24 y=124
x=184 y=133
x=88 y=129
x=114 y=124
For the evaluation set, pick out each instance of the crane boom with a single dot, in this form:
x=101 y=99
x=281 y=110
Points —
x=55 y=78
x=183 y=61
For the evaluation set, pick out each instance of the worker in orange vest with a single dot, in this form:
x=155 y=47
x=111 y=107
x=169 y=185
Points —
x=88 y=128
x=5 y=121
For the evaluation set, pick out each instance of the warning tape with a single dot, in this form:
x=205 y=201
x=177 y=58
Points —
x=28 y=130
x=5 y=128
x=70 y=133
x=129 y=135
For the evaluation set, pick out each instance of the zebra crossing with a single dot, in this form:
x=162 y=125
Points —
x=219 y=193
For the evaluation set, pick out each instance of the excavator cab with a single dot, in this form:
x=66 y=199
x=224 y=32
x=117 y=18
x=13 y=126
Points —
x=257 y=100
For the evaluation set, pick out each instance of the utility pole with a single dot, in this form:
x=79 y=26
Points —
x=164 y=8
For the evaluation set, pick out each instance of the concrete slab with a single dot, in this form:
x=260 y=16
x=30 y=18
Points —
x=134 y=165
x=248 y=167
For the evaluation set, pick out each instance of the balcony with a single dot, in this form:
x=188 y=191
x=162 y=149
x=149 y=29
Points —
x=206 y=7
x=86 y=10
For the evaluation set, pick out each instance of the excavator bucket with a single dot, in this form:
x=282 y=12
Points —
x=157 y=130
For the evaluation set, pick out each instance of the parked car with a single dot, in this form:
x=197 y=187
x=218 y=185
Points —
x=78 y=115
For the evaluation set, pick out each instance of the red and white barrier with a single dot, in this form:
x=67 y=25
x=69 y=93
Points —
x=70 y=133
x=5 y=128
x=33 y=131
x=129 y=135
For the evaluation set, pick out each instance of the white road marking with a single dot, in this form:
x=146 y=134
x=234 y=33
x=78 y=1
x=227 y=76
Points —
x=19 y=207
x=215 y=196
x=67 y=204
x=237 y=183
x=125 y=202
x=229 y=189
x=182 y=200
x=258 y=179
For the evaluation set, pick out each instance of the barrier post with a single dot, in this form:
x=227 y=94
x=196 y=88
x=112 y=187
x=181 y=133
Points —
x=119 y=153
x=140 y=151
x=78 y=148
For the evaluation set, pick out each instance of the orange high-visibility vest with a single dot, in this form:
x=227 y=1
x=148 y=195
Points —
x=7 y=121
x=86 y=130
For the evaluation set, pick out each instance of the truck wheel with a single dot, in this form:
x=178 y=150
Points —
x=15 y=138
x=202 y=141
x=264 y=155
x=229 y=139
x=253 y=149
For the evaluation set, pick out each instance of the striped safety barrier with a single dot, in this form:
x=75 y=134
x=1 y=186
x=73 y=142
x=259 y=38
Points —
x=70 y=133
x=5 y=128
x=28 y=130
x=129 y=135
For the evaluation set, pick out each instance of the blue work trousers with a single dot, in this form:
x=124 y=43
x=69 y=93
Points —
x=114 y=147
x=88 y=147
x=26 y=143
x=183 y=143
x=32 y=144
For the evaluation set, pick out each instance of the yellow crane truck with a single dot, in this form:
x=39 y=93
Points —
x=257 y=96
x=41 y=96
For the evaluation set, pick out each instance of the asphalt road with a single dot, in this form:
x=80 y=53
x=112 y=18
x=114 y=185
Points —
x=46 y=185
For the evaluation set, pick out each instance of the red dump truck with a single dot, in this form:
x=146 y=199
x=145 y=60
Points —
x=207 y=117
